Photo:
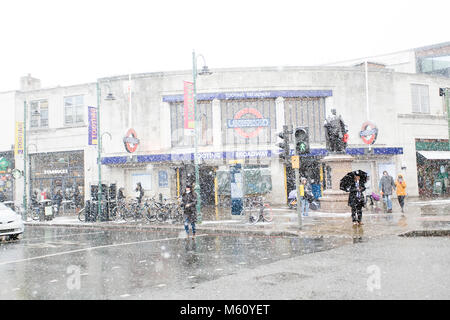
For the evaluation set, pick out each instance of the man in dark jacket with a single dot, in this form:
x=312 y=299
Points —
x=188 y=202
x=356 y=200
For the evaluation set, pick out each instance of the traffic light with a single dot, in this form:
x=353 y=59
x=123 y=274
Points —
x=301 y=135
x=286 y=150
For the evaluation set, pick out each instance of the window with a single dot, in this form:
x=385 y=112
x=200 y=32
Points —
x=73 y=110
x=39 y=114
x=306 y=112
x=179 y=137
x=420 y=98
x=435 y=65
x=248 y=121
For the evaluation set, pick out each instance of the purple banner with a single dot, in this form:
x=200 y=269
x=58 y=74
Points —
x=92 y=119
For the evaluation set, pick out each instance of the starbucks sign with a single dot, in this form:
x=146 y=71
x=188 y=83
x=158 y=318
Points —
x=4 y=164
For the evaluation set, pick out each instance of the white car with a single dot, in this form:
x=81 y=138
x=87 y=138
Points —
x=11 y=223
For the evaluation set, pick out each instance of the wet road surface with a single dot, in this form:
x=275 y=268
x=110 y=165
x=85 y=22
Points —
x=81 y=263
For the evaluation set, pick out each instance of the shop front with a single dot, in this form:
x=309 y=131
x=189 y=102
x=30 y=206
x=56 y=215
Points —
x=433 y=166
x=58 y=171
x=6 y=178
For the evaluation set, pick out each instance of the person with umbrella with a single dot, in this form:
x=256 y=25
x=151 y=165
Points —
x=353 y=183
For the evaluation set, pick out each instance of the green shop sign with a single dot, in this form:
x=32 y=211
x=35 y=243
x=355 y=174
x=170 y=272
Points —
x=4 y=164
x=432 y=146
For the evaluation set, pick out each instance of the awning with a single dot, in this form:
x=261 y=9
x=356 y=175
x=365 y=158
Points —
x=435 y=155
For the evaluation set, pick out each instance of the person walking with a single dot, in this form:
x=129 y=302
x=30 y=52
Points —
x=305 y=196
x=400 y=186
x=387 y=186
x=140 y=192
x=57 y=199
x=120 y=195
x=356 y=200
x=188 y=203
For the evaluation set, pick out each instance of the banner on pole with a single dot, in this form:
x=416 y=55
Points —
x=18 y=145
x=189 y=112
x=92 y=119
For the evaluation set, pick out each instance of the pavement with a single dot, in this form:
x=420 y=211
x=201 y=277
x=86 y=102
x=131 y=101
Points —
x=421 y=218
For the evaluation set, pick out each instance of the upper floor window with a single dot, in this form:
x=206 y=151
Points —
x=73 y=110
x=181 y=137
x=420 y=98
x=306 y=112
x=39 y=114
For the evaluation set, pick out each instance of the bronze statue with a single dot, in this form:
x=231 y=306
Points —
x=335 y=133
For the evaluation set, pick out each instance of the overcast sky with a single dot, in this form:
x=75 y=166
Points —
x=69 y=42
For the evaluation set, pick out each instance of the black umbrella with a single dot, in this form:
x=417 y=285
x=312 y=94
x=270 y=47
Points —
x=349 y=178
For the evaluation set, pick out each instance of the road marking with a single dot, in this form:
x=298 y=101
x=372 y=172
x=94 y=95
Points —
x=61 y=236
x=91 y=248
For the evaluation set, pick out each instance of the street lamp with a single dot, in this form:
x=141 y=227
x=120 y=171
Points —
x=109 y=97
x=204 y=71
x=25 y=156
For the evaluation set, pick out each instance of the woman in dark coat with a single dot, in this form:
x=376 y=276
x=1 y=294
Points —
x=356 y=200
x=188 y=202
x=141 y=192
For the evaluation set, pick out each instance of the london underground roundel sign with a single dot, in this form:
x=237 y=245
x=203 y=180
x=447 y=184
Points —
x=369 y=132
x=131 y=141
x=256 y=121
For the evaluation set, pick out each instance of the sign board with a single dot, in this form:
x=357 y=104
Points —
x=163 y=179
x=189 y=112
x=48 y=211
x=92 y=126
x=295 y=162
x=131 y=141
x=4 y=163
x=257 y=121
x=144 y=178
x=18 y=145
x=369 y=132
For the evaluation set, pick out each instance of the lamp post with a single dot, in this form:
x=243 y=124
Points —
x=25 y=156
x=205 y=71
x=99 y=147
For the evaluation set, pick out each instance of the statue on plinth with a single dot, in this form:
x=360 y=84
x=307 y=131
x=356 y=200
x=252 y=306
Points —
x=335 y=133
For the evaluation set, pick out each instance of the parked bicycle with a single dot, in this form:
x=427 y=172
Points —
x=255 y=210
x=170 y=210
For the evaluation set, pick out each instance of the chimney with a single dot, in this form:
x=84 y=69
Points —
x=29 y=83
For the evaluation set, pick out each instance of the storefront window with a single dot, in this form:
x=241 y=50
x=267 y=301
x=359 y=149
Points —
x=55 y=171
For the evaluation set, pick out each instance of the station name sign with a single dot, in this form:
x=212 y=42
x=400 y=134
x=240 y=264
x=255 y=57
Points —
x=56 y=171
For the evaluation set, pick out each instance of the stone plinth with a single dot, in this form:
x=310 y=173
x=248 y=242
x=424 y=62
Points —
x=334 y=199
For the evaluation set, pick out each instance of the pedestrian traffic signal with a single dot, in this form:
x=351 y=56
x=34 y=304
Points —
x=301 y=140
x=286 y=150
